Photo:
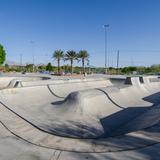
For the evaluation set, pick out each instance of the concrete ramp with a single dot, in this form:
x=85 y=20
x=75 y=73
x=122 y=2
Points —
x=78 y=115
x=129 y=96
x=64 y=89
x=136 y=93
x=81 y=109
x=152 y=87
x=132 y=81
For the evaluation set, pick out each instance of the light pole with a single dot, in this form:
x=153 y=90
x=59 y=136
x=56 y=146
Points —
x=105 y=45
x=21 y=61
x=88 y=64
x=32 y=45
x=46 y=58
x=118 y=62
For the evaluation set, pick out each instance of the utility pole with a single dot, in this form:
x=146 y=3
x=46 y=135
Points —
x=118 y=62
x=105 y=46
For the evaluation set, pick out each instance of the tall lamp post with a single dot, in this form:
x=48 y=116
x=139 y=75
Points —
x=118 y=62
x=21 y=62
x=32 y=45
x=105 y=45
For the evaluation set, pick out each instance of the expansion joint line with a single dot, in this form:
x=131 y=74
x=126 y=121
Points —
x=53 y=92
x=123 y=150
x=110 y=98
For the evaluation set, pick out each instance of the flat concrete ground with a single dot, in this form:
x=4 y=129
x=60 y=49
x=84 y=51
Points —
x=69 y=119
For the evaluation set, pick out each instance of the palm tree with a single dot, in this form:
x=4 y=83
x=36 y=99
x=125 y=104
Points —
x=83 y=55
x=58 y=55
x=71 y=56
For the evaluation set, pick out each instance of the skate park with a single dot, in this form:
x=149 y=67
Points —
x=72 y=118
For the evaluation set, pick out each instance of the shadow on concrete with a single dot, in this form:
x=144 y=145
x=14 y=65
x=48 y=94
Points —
x=111 y=124
x=72 y=129
x=146 y=150
x=118 y=119
x=154 y=98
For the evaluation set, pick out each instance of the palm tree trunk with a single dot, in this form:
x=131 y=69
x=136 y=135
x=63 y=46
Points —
x=71 y=66
x=58 y=66
x=83 y=66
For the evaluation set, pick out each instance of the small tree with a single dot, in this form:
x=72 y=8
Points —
x=71 y=56
x=58 y=55
x=2 y=55
x=41 y=67
x=83 y=55
x=49 y=67
x=29 y=67
x=6 y=67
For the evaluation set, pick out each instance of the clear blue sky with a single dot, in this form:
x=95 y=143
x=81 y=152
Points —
x=78 y=24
